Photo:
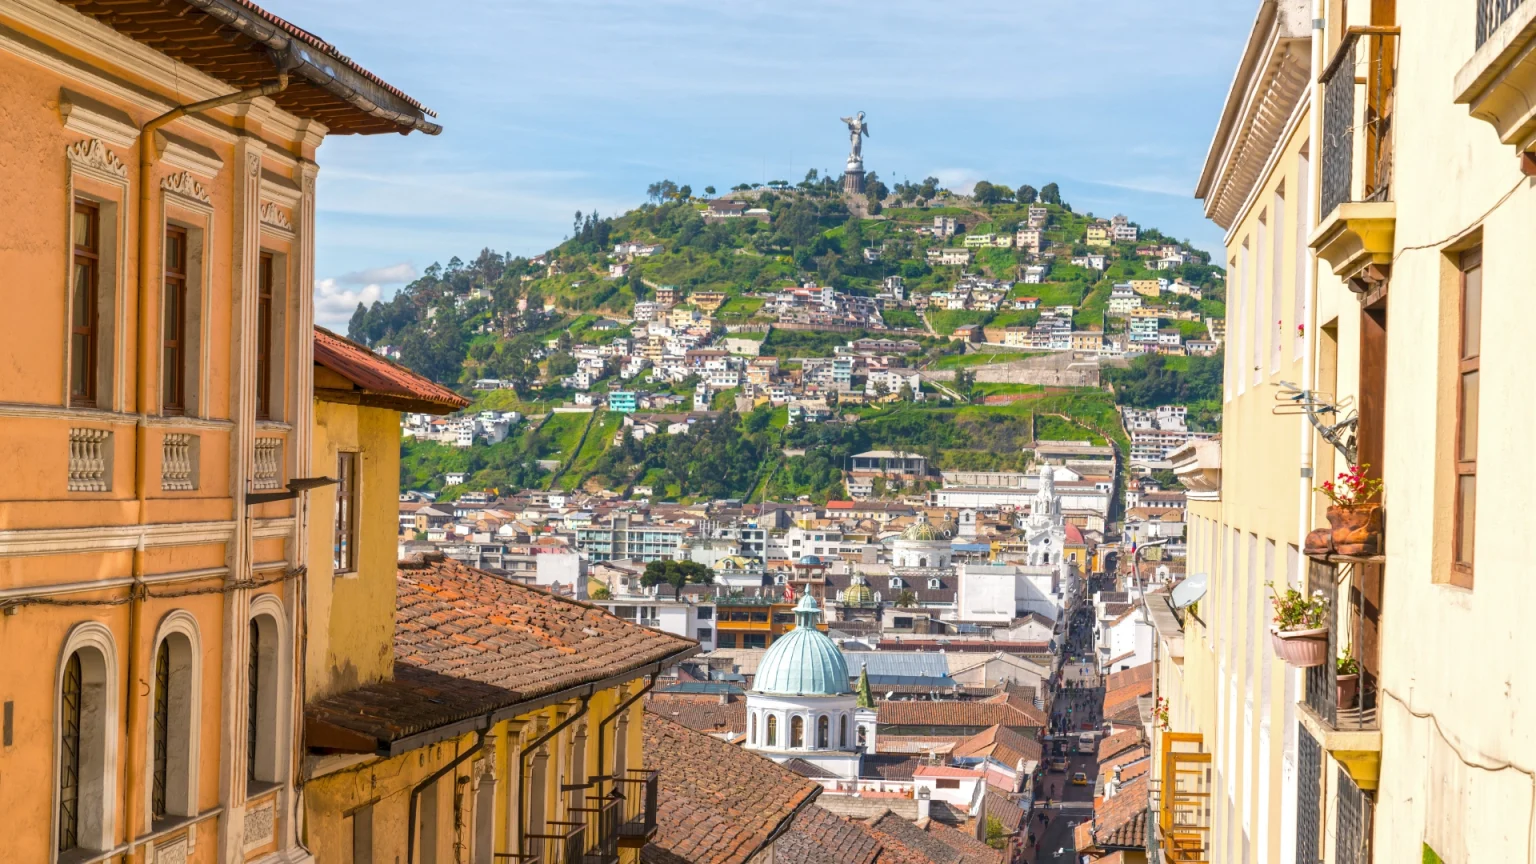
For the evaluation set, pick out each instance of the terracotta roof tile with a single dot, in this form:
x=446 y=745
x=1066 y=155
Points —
x=935 y=843
x=930 y=713
x=1001 y=745
x=1121 y=822
x=380 y=376
x=818 y=836
x=467 y=643
x=718 y=803
x=709 y=717
x=1118 y=743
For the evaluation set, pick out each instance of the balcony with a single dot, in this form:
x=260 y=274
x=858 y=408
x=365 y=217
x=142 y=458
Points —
x=560 y=843
x=1184 y=799
x=1359 y=220
x=1350 y=731
x=637 y=818
x=1498 y=84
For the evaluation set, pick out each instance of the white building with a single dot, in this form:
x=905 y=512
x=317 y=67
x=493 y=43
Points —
x=801 y=705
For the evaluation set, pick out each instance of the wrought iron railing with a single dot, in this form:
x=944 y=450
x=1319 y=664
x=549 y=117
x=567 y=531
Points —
x=601 y=818
x=1356 y=626
x=1340 y=80
x=637 y=822
x=1492 y=13
x=560 y=843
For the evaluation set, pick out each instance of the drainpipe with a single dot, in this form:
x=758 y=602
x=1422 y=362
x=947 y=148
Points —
x=1310 y=341
x=623 y=706
x=410 y=827
x=144 y=395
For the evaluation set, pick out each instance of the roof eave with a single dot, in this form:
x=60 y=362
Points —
x=1236 y=95
x=326 y=70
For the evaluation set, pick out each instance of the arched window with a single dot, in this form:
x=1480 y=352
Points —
x=896 y=583
x=752 y=738
x=263 y=667
x=797 y=731
x=87 y=740
x=842 y=731
x=934 y=584
x=862 y=737
x=823 y=732
x=174 y=700
x=773 y=731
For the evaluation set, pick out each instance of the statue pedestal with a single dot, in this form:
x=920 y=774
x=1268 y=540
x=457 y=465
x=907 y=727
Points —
x=853 y=179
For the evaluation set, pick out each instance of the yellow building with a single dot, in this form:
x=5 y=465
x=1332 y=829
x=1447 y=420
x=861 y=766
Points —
x=159 y=175
x=453 y=716
x=1097 y=235
x=1232 y=725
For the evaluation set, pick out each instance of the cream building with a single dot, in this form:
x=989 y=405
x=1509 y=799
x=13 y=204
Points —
x=1419 y=146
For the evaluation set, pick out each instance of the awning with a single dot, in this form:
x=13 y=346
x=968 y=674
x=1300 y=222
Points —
x=1189 y=592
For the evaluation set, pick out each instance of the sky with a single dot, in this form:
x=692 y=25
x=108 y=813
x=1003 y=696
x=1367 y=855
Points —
x=560 y=106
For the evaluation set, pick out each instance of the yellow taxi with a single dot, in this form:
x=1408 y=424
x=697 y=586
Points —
x=1079 y=779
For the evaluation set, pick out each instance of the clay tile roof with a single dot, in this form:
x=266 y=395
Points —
x=935 y=843
x=468 y=643
x=718 y=803
x=926 y=713
x=700 y=715
x=232 y=40
x=1001 y=745
x=809 y=769
x=1116 y=680
x=1121 y=821
x=818 y=836
x=382 y=381
x=1118 y=743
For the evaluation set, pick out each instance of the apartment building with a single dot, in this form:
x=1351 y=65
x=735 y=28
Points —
x=156 y=407
x=1233 y=727
x=627 y=537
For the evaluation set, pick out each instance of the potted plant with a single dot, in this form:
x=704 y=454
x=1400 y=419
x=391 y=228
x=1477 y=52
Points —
x=1300 y=631
x=1354 y=519
x=1348 y=678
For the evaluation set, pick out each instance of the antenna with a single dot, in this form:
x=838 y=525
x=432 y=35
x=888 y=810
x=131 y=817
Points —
x=1320 y=408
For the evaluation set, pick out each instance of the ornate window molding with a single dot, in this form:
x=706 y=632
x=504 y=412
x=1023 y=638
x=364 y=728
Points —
x=274 y=217
x=99 y=724
x=92 y=157
x=185 y=185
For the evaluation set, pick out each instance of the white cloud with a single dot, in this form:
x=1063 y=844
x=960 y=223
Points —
x=334 y=305
x=392 y=274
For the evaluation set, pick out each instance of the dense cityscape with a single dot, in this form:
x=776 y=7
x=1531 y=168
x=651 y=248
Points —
x=845 y=520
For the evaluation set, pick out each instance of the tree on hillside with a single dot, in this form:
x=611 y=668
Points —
x=986 y=193
x=928 y=188
x=685 y=193
x=356 y=327
x=709 y=190
x=1050 y=194
x=1026 y=194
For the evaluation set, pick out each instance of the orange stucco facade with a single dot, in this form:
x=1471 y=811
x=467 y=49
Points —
x=149 y=611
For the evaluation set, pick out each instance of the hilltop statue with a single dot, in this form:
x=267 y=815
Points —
x=857 y=129
x=853 y=175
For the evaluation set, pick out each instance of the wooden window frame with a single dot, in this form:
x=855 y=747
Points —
x=1462 y=570
x=85 y=365
x=266 y=287
x=344 y=546
x=173 y=354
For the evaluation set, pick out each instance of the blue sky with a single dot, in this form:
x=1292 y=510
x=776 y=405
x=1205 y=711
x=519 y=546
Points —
x=554 y=107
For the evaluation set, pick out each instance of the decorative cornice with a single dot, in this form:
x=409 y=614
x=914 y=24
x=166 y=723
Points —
x=92 y=155
x=185 y=185
x=86 y=116
x=272 y=215
x=187 y=155
x=276 y=187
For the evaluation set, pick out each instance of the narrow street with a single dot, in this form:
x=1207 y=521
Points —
x=1060 y=805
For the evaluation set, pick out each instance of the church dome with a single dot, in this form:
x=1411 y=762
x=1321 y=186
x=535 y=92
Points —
x=858 y=592
x=923 y=531
x=803 y=662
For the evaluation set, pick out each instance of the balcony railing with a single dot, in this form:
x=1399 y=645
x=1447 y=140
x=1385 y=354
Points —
x=1492 y=13
x=1184 y=799
x=1341 y=79
x=560 y=843
x=637 y=823
x=1356 y=626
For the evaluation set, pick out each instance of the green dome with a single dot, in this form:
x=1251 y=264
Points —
x=803 y=662
x=924 y=531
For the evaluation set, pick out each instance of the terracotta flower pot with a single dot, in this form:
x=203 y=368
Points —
x=1348 y=686
x=1301 y=648
x=1356 y=530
